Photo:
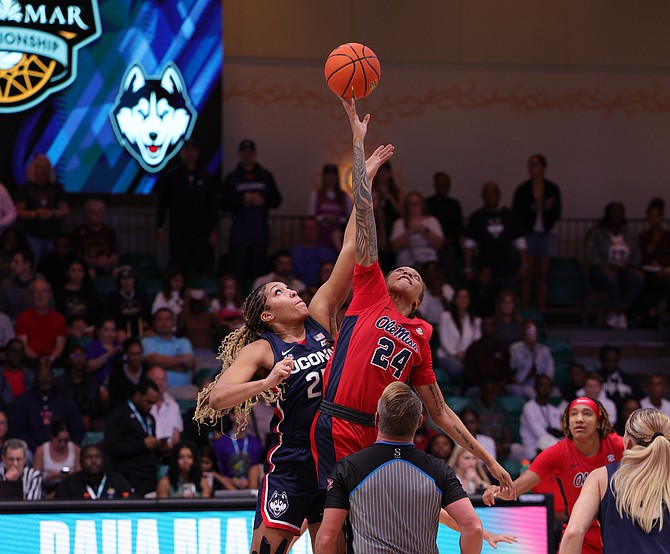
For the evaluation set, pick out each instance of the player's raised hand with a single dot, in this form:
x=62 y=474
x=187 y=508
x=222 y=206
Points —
x=507 y=487
x=490 y=495
x=281 y=370
x=358 y=127
x=377 y=158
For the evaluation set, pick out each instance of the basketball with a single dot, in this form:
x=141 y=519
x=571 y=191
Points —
x=352 y=69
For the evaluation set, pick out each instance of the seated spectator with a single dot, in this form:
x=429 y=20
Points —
x=436 y=296
x=657 y=388
x=309 y=254
x=655 y=245
x=83 y=388
x=128 y=371
x=32 y=414
x=469 y=471
x=130 y=438
x=528 y=359
x=282 y=272
x=16 y=294
x=509 y=327
x=458 y=330
x=447 y=211
x=227 y=305
x=166 y=350
x=57 y=457
x=613 y=255
x=41 y=328
x=102 y=351
x=330 y=206
x=627 y=407
x=215 y=480
x=470 y=419
x=93 y=482
x=497 y=235
x=78 y=301
x=578 y=375
x=239 y=455
x=4 y=428
x=127 y=305
x=441 y=446
x=617 y=384
x=41 y=205
x=54 y=263
x=94 y=241
x=173 y=294
x=14 y=470
x=494 y=419
x=485 y=360
x=593 y=388
x=483 y=292
x=15 y=377
x=184 y=478
x=540 y=421
x=12 y=240
x=416 y=237
x=199 y=326
x=166 y=412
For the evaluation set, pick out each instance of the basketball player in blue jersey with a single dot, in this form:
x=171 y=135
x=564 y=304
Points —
x=279 y=357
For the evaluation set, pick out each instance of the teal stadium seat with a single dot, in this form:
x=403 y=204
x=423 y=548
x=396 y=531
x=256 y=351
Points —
x=513 y=406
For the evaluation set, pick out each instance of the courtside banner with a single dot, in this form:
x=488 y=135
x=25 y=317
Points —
x=216 y=526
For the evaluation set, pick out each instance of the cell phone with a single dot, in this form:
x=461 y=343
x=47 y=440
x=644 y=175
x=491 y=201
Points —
x=65 y=469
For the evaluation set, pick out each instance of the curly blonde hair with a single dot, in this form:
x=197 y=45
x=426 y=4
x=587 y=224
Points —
x=254 y=306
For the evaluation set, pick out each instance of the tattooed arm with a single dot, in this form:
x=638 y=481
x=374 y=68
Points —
x=366 y=231
x=445 y=418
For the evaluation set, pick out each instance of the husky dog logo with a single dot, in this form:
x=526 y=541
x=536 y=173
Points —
x=39 y=43
x=278 y=503
x=153 y=116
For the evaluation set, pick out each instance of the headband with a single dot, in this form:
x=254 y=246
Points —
x=585 y=401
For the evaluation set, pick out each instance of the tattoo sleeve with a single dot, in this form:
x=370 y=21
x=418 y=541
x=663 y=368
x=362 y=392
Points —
x=366 y=231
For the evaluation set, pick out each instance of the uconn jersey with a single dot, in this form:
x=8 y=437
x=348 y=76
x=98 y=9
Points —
x=303 y=388
x=289 y=493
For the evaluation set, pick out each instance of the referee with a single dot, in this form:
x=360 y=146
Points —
x=392 y=493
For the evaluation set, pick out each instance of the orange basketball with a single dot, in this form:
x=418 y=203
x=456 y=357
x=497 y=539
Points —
x=352 y=70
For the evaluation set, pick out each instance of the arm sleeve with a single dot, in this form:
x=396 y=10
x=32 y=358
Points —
x=452 y=490
x=338 y=495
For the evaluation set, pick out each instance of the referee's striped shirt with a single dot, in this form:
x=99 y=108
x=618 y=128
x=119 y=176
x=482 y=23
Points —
x=31 y=481
x=393 y=493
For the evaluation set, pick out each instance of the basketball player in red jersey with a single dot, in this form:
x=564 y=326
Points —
x=380 y=341
x=590 y=443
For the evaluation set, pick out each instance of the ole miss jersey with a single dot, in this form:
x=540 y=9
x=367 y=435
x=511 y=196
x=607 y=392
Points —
x=376 y=346
x=571 y=468
x=294 y=413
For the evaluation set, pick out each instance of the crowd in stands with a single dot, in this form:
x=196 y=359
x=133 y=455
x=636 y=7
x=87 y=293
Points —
x=97 y=386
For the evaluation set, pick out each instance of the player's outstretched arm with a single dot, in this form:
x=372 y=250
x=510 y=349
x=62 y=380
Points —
x=366 y=232
x=445 y=418
x=331 y=295
x=523 y=483
x=586 y=508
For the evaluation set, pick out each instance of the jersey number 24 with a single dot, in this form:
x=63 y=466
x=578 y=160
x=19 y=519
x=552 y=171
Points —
x=384 y=356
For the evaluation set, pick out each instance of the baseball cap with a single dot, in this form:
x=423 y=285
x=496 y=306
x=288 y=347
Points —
x=247 y=144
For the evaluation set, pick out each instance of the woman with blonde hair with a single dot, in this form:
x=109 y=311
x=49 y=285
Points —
x=469 y=470
x=633 y=496
x=279 y=356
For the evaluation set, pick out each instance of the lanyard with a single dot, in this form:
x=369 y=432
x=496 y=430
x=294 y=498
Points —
x=146 y=425
x=101 y=489
x=236 y=446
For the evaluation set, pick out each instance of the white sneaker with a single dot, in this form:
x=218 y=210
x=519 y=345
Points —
x=622 y=322
x=613 y=321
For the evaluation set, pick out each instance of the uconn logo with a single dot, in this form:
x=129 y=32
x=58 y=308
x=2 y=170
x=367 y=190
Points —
x=396 y=330
x=311 y=360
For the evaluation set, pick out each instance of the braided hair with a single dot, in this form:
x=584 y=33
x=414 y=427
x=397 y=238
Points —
x=254 y=305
